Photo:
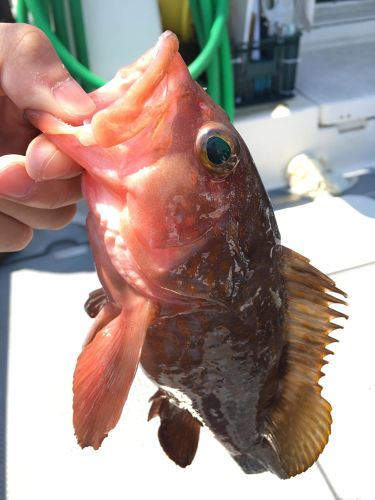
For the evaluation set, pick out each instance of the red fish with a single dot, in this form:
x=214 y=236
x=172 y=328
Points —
x=230 y=325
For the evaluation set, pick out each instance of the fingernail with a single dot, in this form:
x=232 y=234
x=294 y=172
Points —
x=73 y=98
x=15 y=183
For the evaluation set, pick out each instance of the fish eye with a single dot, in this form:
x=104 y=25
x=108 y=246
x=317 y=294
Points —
x=218 y=149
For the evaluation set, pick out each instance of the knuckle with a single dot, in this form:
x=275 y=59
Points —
x=29 y=38
x=30 y=51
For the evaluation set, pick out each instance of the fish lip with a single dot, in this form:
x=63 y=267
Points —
x=123 y=99
x=132 y=111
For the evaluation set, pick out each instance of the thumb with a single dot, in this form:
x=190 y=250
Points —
x=33 y=77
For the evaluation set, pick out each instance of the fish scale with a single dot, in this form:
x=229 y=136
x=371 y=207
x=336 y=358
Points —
x=231 y=326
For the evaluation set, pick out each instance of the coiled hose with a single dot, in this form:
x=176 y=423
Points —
x=210 y=20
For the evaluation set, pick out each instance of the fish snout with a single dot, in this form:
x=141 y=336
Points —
x=124 y=118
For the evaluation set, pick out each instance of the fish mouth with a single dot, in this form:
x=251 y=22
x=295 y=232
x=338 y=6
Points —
x=124 y=106
x=123 y=118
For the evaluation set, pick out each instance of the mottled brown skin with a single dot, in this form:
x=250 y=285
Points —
x=230 y=325
x=225 y=358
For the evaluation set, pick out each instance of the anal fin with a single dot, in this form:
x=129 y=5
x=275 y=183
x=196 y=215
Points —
x=179 y=430
x=300 y=421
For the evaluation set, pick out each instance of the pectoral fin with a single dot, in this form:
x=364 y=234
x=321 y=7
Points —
x=300 y=422
x=106 y=368
x=179 y=430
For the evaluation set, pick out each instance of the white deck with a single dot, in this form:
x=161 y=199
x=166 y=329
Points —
x=46 y=330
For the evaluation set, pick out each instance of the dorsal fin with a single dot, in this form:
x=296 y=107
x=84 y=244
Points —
x=300 y=422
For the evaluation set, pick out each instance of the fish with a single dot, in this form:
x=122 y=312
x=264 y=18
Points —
x=197 y=289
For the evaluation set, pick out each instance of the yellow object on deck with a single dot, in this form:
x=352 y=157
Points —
x=176 y=16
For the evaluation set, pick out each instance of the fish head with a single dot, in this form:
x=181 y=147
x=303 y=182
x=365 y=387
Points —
x=177 y=147
x=165 y=173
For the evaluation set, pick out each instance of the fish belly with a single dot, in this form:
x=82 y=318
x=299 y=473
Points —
x=211 y=365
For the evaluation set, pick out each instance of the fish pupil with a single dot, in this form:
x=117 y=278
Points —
x=218 y=150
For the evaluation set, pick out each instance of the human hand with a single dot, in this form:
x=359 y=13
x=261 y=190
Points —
x=39 y=185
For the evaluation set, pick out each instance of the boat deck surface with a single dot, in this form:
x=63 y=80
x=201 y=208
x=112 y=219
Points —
x=43 y=325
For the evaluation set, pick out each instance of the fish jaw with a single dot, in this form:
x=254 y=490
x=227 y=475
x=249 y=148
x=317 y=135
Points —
x=142 y=179
x=127 y=108
x=124 y=117
x=120 y=255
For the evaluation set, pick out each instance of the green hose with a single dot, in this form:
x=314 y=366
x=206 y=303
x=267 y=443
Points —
x=197 y=67
x=59 y=16
x=227 y=77
x=21 y=13
x=79 y=32
x=210 y=18
x=198 y=23
x=77 y=69
x=218 y=40
x=213 y=70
